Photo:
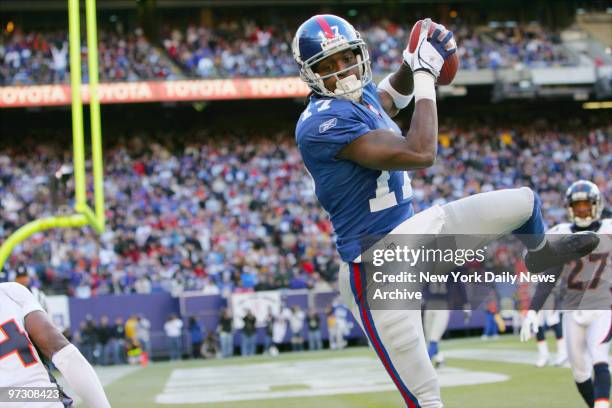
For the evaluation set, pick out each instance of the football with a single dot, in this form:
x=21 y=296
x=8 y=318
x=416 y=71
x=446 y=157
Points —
x=449 y=69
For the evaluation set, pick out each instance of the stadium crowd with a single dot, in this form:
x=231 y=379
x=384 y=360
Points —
x=28 y=58
x=222 y=215
x=242 y=48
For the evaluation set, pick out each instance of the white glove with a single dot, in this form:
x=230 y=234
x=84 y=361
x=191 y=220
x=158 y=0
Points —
x=430 y=53
x=530 y=325
x=467 y=313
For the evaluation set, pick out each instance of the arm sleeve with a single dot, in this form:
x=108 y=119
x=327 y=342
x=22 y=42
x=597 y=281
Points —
x=328 y=134
x=81 y=376
x=544 y=289
x=22 y=296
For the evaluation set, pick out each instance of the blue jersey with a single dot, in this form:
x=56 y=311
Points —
x=361 y=202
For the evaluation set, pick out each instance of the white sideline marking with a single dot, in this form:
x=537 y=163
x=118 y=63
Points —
x=107 y=376
x=294 y=379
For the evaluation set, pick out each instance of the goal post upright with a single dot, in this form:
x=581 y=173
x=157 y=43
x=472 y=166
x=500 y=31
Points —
x=84 y=215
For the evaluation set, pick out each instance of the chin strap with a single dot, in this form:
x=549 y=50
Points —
x=349 y=88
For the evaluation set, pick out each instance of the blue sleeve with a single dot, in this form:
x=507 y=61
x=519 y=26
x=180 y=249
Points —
x=326 y=134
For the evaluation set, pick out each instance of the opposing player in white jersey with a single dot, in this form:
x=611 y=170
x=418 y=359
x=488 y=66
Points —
x=550 y=319
x=24 y=328
x=358 y=158
x=586 y=297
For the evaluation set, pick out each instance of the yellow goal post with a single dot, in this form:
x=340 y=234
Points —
x=83 y=215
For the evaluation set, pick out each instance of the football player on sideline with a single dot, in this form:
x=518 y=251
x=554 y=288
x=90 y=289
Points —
x=358 y=159
x=587 y=282
x=24 y=323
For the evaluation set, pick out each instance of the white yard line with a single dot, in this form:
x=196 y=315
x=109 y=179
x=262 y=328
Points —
x=295 y=379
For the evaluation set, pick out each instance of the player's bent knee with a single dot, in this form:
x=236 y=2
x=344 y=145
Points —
x=581 y=375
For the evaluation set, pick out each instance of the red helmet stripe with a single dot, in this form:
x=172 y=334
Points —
x=325 y=26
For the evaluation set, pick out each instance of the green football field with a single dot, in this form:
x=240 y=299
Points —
x=478 y=374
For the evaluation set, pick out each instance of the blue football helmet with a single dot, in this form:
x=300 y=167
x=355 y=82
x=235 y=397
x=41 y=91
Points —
x=324 y=35
x=583 y=190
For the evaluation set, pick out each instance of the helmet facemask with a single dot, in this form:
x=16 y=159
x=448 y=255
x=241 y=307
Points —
x=588 y=192
x=350 y=87
x=583 y=222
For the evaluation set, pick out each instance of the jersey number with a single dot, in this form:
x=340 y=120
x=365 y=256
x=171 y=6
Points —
x=574 y=283
x=385 y=198
x=322 y=105
x=16 y=342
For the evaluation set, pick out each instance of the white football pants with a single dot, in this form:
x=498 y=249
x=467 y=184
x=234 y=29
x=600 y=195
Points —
x=587 y=336
x=397 y=335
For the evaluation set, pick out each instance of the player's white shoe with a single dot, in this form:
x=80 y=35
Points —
x=542 y=360
x=561 y=352
x=602 y=404
x=561 y=358
x=438 y=360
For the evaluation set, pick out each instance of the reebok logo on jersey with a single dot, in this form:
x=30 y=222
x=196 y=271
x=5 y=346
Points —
x=328 y=124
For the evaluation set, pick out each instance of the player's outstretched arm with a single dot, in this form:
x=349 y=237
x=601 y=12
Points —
x=384 y=150
x=79 y=374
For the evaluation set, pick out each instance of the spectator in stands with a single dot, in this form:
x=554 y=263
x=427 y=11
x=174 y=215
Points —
x=173 y=329
x=296 y=323
x=59 y=53
x=196 y=336
x=42 y=57
x=314 y=331
x=249 y=335
x=251 y=203
x=226 y=333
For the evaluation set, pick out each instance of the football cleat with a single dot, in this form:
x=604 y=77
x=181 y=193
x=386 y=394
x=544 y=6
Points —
x=560 y=251
x=438 y=360
x=542 y=360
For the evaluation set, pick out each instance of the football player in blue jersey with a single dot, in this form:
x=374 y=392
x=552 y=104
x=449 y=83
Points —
x=358 y=158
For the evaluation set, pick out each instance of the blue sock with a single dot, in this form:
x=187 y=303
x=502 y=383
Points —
x=531 y=233
x=586 y=391
x=540 y=334
x=558 y=331
x=601 y=382
x=433 y=349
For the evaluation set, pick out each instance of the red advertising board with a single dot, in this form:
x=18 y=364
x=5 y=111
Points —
x=167 y=91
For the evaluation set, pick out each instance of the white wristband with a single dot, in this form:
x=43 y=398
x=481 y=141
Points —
x=400 y=101
x=424 y=86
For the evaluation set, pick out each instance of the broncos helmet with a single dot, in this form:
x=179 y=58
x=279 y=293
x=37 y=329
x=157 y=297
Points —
x=583 y=190
x=324 y=35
